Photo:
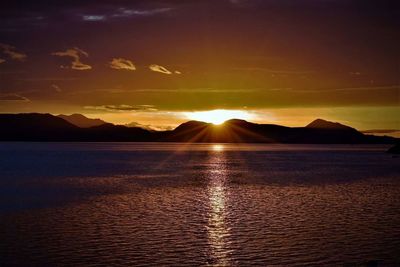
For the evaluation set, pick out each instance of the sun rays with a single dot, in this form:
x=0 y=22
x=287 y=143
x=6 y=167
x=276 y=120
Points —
x=218 y=116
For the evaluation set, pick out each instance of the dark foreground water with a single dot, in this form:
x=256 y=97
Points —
x=127 y=204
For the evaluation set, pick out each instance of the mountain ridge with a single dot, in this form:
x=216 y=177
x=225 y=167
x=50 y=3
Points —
x=81 y=120
x=47 y=127
x=324 y=124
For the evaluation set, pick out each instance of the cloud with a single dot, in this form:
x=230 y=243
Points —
x=93 y=17
x=75 y=53
x=149 y=126
x=125 y=12
x=56 y=88
x=193 y=90
x=122 y=64
x=13 y=98
x=247 y=3
x=272 y=71
x=122 y=108
x=355 y=73
x=12 y=53
x=346 y=89
x=158 y=68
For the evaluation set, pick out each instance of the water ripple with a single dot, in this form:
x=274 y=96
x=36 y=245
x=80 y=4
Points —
x=197 y=208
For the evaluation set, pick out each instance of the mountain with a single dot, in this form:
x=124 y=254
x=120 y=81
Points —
x=117 y=133
x=34 y=126
x=323 y=124
x=46 y=127
x=239 y=131
x=81 y=121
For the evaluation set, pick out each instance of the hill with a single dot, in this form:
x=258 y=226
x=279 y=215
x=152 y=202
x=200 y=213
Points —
x=81 y=121
x=240 y=131
x=46 y=127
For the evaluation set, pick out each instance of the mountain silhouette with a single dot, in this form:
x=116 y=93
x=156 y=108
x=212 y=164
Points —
x=34 y=127
x=46 y=127
x=240 y=131
x=323 y=124
x=81 y=121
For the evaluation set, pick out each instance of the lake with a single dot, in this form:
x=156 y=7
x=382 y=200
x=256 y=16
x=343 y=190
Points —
x=169 y=204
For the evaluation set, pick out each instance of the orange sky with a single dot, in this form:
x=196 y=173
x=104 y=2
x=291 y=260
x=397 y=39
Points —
x=152 y=62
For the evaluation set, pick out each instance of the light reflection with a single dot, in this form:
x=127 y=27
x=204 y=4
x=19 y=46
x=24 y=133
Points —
x=217 y=147
x=217 y=229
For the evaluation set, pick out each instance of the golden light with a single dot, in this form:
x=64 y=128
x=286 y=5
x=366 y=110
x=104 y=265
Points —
x=217 y=147
x=218 y=116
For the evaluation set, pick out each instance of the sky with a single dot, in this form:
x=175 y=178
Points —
x=154 y=62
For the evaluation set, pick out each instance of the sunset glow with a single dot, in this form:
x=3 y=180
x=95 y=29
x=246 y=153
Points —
x=218 y=116
x=267 y=66
x=200 y=133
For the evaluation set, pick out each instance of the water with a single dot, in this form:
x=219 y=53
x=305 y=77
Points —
x=136 y=204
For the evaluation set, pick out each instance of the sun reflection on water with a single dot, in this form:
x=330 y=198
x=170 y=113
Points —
x=217 y=229
x=218 y=147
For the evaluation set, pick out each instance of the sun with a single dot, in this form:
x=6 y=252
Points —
x=218 y=116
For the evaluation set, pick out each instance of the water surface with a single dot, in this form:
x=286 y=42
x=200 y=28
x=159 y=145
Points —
x=147 y=204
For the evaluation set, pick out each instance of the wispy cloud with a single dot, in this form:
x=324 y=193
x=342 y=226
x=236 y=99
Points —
x=158 y=68
x=48 y=79
x=126 y=12
x=345 y=89
x=75 y=53
x=56 y=88
x=13 y=98
x=149 y=126
x=193 y=90
x=93 y=17
x=273 y=71
x=247 y=3
x=355 y=73
x=183 y=90
x=122 y=108
x=122 y=64
x=12 y=52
